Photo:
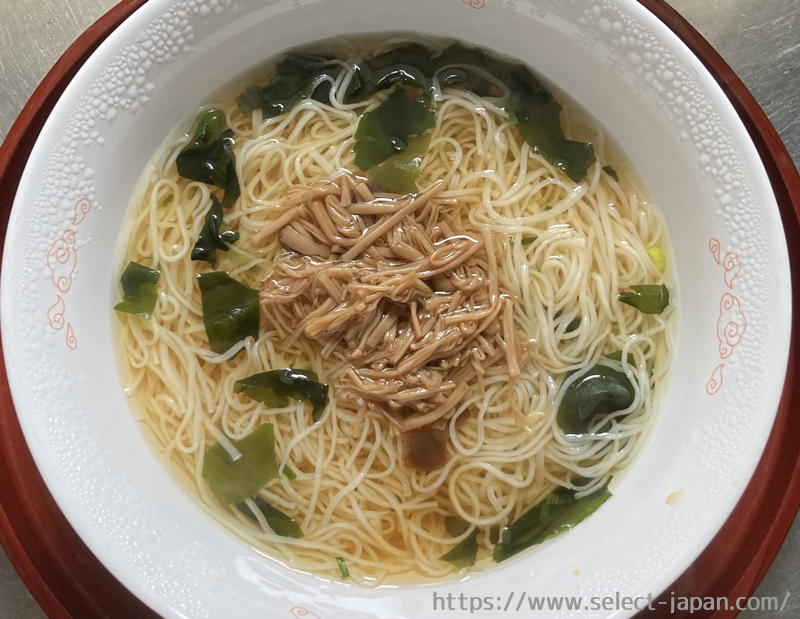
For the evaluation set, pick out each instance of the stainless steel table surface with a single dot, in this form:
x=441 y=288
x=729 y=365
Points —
x=759 y=38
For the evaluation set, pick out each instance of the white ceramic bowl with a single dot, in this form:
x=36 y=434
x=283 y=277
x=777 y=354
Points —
x=613 y=57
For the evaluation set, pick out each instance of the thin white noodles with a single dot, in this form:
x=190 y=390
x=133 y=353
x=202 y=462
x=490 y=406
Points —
x=353 y=496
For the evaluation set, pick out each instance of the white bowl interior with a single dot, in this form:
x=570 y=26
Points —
x=615 y=59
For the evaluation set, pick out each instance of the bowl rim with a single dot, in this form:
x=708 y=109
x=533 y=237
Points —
x=775 y=486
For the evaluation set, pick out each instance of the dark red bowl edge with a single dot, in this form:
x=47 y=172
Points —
x=63 y=576
x=773 y=494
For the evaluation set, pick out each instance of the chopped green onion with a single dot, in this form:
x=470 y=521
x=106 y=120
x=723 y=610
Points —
x=342 y=567
x=648 y=299
x=659 y=257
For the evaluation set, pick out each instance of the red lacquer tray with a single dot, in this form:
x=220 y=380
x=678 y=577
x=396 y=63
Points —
x=68 y=581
